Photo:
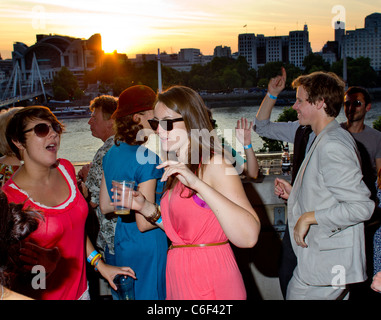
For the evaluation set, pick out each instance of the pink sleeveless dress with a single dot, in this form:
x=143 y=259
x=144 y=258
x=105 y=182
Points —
x=198 y=273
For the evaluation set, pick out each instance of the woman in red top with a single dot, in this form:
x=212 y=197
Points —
x=59 y=246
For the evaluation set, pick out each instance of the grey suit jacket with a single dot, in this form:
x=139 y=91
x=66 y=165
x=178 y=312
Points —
x=329 y=182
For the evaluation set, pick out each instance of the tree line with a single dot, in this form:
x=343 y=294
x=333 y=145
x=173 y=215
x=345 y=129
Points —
x=222 y=74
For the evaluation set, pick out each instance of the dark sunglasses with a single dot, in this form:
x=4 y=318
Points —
x=42 y=129
x=167 y=124
x=355 y=103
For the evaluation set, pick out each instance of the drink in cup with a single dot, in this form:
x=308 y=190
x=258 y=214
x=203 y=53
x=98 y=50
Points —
x=123 y=193
x=266 y=166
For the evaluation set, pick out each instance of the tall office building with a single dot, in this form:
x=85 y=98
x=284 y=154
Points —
x=277 y=49
x=365 y=42
x=299 y=46
x=339 y=35
x=190 y=54
x=247 y=47
x=221 y=51
x=259 y=50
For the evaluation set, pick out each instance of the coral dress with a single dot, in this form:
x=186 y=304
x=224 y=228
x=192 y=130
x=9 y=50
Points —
x=198 y=273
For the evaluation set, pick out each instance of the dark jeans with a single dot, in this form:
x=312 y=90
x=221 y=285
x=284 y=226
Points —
x=288 y=262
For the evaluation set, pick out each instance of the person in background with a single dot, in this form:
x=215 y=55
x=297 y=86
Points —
x=48 y=185
x=328 y=202
x=249 y=166
x=137 y=242
x=8 y=161
x=204 y=205
x=100 y=228
x=357 y=103
x=102 y=127
x=302 y=137
x=376 y=284
x=243 y=134
x=15 y=225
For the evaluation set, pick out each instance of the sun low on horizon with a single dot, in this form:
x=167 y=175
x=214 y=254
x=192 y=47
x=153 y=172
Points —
x=144 y=26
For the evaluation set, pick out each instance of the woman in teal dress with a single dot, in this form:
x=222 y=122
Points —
x=140 y=243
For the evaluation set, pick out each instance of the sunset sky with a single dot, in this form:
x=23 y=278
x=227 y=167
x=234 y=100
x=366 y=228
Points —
x=143 y=26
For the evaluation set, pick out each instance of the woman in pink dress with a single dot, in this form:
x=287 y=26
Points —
x=204 y=206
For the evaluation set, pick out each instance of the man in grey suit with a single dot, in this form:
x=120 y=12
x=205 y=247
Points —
x=328 y=201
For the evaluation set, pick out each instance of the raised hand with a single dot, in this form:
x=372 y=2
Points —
x=243 y=131
x=277 y=84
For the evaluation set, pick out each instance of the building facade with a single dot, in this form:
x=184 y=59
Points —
x=259 y=50
x=299 y=46
x=221 y=51
x=54 y=52
x=365 y=42
x=247 y=47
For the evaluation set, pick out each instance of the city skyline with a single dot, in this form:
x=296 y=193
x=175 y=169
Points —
x=143 y=26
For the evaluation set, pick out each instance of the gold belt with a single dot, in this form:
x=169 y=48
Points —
x=198 y=245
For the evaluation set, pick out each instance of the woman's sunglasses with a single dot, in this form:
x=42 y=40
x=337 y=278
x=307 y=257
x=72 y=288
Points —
x=42 y=129
x=355 y=103
x=167 y=124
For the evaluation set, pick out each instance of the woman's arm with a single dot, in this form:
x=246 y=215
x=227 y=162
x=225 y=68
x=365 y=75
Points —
x=107 y=271
x=147 y=189
x=104 y=198
x=225 y=195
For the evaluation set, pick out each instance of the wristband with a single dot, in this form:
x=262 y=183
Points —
x=159 y=220
x=96 y=263
x=249 y=146
x=271 y=96
x=96 y=258
x=91 y=256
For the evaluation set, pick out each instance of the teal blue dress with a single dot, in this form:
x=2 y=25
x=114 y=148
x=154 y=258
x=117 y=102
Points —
x=145 y=253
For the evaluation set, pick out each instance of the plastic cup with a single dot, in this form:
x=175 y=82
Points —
x=276 y=165
x=266 y=166
x=125 y=287
x=123 y=193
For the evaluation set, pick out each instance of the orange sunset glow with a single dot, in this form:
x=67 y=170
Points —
x=144 y=26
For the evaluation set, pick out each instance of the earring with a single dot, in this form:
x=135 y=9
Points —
x=22 y=162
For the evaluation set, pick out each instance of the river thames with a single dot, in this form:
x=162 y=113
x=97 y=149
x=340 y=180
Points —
x=78 y=145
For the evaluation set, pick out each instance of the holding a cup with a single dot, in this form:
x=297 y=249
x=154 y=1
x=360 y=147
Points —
x=122 y=195
x=125 y=285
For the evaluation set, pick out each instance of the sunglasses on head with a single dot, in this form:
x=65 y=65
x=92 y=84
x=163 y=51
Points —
x=167 y=124
x=42 y=129
x=355 y=103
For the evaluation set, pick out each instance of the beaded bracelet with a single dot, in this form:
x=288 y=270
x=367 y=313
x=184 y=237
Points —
x=271 y=96
x=155 y=216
